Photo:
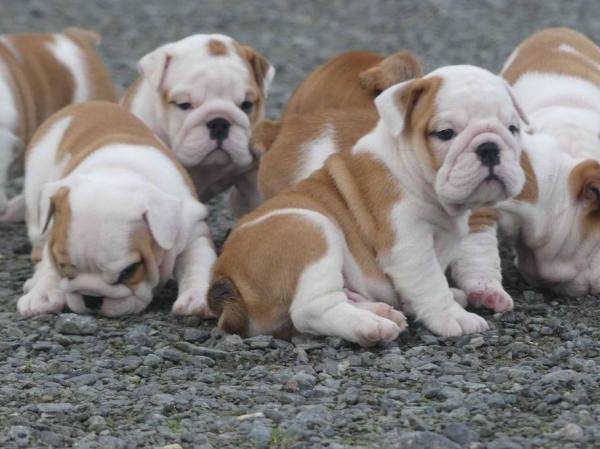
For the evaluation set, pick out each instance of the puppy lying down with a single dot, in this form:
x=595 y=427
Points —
x=374 y=230
x=111 y=215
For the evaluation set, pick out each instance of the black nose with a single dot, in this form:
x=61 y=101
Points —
x=488 y=153
x=219 y=128
x=92 y=302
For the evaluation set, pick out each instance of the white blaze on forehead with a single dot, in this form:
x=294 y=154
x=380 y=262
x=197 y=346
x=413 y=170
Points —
x=67 y=52
x=566 y=48
x=474 y=90
x=193 y=67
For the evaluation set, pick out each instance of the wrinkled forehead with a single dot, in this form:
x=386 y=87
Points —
x=473 y=91
x=207 y=65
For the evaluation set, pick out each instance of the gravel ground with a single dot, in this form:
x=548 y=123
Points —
x=155 y=380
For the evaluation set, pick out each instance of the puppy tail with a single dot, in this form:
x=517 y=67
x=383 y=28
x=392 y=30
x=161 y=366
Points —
x=392 y=70
x=263 y=135
x=225 y=301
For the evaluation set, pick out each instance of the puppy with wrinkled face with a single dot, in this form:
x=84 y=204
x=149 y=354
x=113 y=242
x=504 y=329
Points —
x=376 y=227
x=201 y=96
x=39 y=74
x=553 y=223
x=111 y=215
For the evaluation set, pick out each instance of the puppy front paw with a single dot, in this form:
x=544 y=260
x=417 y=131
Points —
x=456 y=321
x=494 y=299
x=41 y=300
x=193 y=302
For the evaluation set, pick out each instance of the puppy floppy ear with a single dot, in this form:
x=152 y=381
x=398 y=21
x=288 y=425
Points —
x=262 y=69
x=54 y=199
x=584 y=181
x=162 y=215
x=400 y=105
x=394 y=69
x=516 y=104
x=154 y=66
x=263 y=135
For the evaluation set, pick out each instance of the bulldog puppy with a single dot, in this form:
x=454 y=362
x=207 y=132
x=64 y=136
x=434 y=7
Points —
x=377 y=226
x=41 y=73
x=332 y=107
x=554 y=222
x=111 y=215
x=201 y=96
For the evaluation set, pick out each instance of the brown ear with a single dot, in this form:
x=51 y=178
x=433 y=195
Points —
x=89 y=37
x=262 y=69
x=263 y=135
x=584 y=182
x=58 y=203
x=392 y=70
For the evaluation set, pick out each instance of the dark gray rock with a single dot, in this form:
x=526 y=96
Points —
x=70 y=323
x=419 y=440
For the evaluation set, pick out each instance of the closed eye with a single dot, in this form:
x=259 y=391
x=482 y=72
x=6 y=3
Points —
x=128 y=272
x=513 y=129
x=184 y=106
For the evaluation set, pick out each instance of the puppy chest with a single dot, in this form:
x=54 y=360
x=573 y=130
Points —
x=447 y=241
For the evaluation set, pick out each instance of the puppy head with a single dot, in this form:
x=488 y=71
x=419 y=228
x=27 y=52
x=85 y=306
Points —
x=560 y=247
x=464 y=125
x=110 y=252
x=213 y=91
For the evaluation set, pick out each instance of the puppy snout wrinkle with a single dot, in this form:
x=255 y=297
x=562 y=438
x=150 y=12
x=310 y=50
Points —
x=92 y=302
x=488 y=153
x=219 y=128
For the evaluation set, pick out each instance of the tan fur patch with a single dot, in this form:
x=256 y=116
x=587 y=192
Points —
x=417 y=103
x=58 y=236
x=530 y=192
x=584 y=185
x=482 y=219
x=42 y=84
x=97 y=124
x=541 y=53
x=142 y=243
x=279 y=166
x=217 y=47
x=263 y=135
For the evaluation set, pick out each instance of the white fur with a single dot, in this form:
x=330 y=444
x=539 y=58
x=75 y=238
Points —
x=316 y=152
x=122 y=187
x=215 y=86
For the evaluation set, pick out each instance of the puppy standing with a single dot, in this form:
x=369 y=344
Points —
x=553 y=223
x=378 y=224
x=111 y=215
x=201 y=96
x=332 y=107
x=41 y=73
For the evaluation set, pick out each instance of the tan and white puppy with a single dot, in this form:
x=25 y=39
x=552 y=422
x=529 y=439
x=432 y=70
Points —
x=331 y=108
x=111 y=215
x=202 y=95
x=41 y=73
x=377 y=226
x=554 y=223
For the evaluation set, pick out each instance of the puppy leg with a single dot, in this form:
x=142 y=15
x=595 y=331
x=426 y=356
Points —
x=321 y=306
x=244 y=196
x=193 y=269
x=477 y=271
x=419 y=279
x=42 y=291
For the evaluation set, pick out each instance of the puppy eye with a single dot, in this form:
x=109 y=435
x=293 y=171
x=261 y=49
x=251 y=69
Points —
x=513 y=129
x=444 y=134
x=128 y=272
x=246 y=106
x=183 y=106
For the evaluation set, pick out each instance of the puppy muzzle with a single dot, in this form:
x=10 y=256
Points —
x=215 y=126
